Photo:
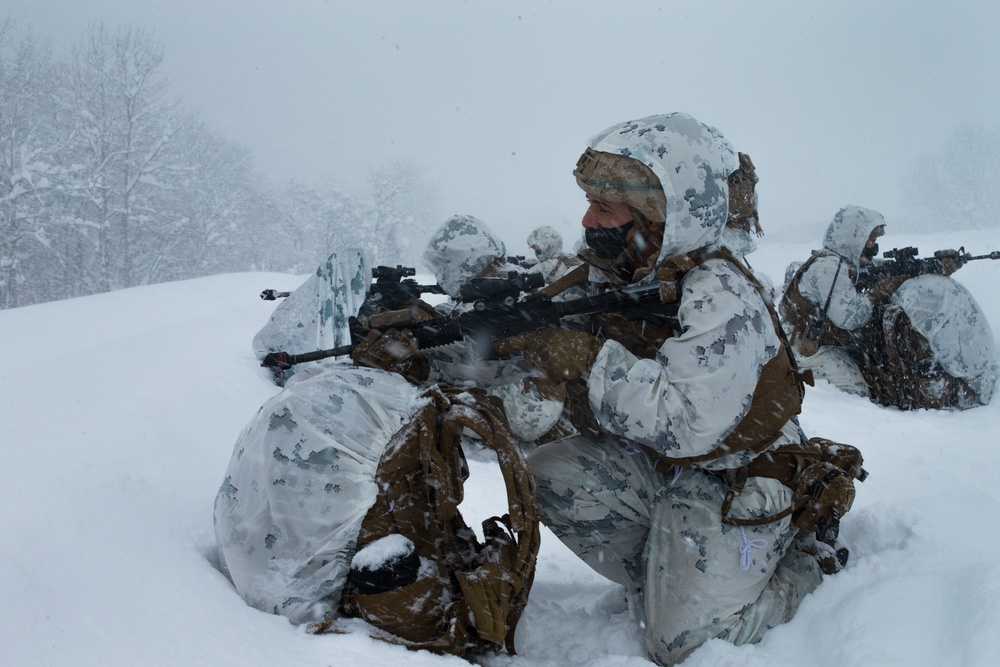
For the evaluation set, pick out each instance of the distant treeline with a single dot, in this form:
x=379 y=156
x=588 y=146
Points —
x=107 y=182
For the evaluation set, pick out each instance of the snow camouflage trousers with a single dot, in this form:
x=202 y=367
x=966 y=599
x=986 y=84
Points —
x=661 y=536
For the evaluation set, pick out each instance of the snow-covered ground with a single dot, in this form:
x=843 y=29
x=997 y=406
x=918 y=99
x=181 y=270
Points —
x=118 y=413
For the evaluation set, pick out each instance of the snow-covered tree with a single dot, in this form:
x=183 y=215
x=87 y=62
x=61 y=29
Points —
x=107 y=182
x=29 y=165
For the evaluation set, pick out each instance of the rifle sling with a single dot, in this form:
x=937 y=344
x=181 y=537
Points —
x=569 y=279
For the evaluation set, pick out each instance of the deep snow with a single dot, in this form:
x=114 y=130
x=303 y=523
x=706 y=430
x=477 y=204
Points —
x=118 y=414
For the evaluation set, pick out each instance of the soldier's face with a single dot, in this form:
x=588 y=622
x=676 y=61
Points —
x=871 y=246
x=605 y=214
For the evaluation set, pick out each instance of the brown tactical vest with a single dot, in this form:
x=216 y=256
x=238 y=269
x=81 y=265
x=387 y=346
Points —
x=810 y=327
x=779 y=391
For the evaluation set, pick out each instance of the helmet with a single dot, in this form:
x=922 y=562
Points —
x=688 y=162
x=459 y=250
x=620 y=179
x=545 y=241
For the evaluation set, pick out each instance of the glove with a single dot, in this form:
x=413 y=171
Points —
x=392 y=351
x=885 y=288
x=562 y=354
x=949 y=261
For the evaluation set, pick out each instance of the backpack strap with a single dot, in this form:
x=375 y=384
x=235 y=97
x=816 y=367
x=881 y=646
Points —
x=497 y=590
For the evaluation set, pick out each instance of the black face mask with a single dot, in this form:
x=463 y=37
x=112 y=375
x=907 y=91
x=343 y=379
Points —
x=870 y=253
x=608 y=242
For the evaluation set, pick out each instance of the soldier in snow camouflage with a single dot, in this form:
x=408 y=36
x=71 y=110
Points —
x=906 y=340
x=665 y=408
x=823 y=311
x=553 y=263
x=303 y=477
x=315 y=316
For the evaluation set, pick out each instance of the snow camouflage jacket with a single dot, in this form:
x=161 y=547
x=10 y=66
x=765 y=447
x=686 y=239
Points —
x=694 y=393
x=829 y=276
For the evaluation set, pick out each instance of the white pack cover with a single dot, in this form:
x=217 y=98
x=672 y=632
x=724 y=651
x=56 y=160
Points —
x=314 y=316
x=944 y=312
x=299 y=483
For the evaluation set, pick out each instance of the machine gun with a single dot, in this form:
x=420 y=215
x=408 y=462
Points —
x=393 y=288
x=905 y=262
x=497 y=313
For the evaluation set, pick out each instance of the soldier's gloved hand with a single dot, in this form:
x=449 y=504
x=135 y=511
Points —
x=885 y=288
x=949 y=261
x=392 y=351
x=562 y=354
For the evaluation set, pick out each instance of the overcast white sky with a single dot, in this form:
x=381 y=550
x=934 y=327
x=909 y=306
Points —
x=833 y=101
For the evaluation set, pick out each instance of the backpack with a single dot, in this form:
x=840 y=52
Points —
x=420 y=573
x=907 y=374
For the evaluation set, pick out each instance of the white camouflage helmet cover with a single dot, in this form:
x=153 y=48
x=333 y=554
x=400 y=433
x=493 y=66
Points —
x=460 y=249
x=849 y=231
x=548 y=240
x=692 y=161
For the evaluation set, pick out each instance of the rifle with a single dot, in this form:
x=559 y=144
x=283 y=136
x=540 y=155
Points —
x=497 y=313
x=904 y=261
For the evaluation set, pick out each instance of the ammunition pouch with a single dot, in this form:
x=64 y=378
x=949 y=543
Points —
x=821 y=475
